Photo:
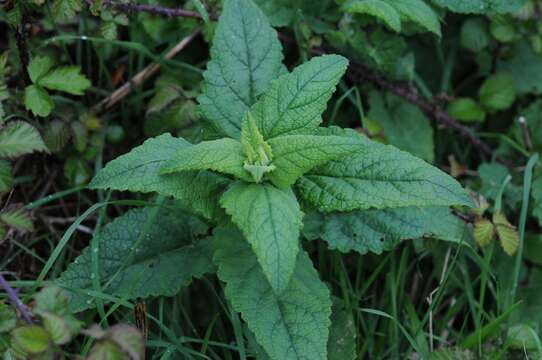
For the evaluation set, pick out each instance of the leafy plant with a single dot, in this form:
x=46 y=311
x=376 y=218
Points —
x=45 y=75
x=269 y=162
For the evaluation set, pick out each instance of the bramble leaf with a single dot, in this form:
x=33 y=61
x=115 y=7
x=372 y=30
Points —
x=270 y=219
x=294 y=155
x=20 y=138
x=507 y=233
x=380 y=230
x=418 y=12
x=146 y=252
x=293 y=325
x=17 y=219
x=6 y=177
x=139 y=171
x=68 y=79
x=37 y=100
x=39 y=66
x=379 y=176
x=246 y=55
x=484 y=231
x=222 y=155
x=294 y=102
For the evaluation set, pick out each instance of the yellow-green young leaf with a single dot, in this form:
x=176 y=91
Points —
x=8 y=318
x=17 y=219
x=222 y=155
x=270 y=219
x=31 y=339
x=294 y=155
x=68 y=79
x=246 y=55
x=6 y=177
x=39 y=66
x=257 y=151
x=37 y=100
x=466 y=110
x=507 y=234
x=139 y=171
x=484 y=231
x=294 y=102
x=293 y=325
x=481 y=6
x=498 y=92
x=20 y=138
x=106 y=350
x=377 y=8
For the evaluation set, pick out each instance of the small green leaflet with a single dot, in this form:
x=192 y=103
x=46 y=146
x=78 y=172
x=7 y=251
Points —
x=20 y=138
x=39 y=66
x=481 y=6
x=498 y=92
x=279 y=12
x=379 y=176
x=222 y=155
x=67 y=78
x=141 y=255
x=37 y=100
x=381 y=230
x=66 y=9
x=294 y=155
x=270 y=219
x=246 y=55
x=418 y=12
x=295 y=102
x=17 y=219
x=293 y=325
x=257 y=151
x=525 y=67
x=139 y=171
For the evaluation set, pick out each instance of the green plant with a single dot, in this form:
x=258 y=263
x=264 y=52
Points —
x=269 y=163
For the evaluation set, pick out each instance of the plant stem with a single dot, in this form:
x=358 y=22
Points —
x=12 y=294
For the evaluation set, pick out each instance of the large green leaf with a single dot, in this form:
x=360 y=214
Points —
x=377 y=8
x=481 y=6
x=139 y=171
x=295 y=102
x=294 y=155
x=270 y=219
x=222 y=155
x=379 y=176
x=20 y=138
x=380 y=230
x=145 y=252
x=293 y=325
x=246 y=55
x=403 y=125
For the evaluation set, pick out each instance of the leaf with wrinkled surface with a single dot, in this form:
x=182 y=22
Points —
x=67 y=78
x=341 y=344
x=379 y=176
x=380 y=230
x=141 y=254
x=481 y=6
x=293 y=325
x=294 y=102
x=139 y=171
x=270 y=219
x=294 y=155
x=20 y=138
x=222 y=155
x=377 y=8
x=246 y=55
